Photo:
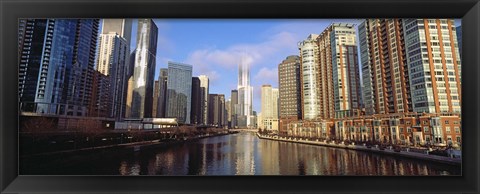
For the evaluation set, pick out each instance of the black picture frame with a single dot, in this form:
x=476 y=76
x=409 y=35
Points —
x=11 y=182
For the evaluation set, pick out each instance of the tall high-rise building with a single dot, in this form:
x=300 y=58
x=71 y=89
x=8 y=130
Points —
x=290 y=99
x=424 y=58
x=129 y=86
x=196 y=110
x=269 y=101
x=123 y=27
x=204 y=85
x=325 y=85
x=345 y=71
x=228 y=107
x=113 y=58
x=216 y=109
x=245 y=95
x=144 y=69
x=309 y=72
x=386 y=87
x=57 y=58
x=162 y=93
x=234 y=106
x=434 y=65
x=120 y=45
x=179 y=89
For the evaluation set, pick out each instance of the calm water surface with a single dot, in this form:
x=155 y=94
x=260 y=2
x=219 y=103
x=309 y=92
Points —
x=245 y=154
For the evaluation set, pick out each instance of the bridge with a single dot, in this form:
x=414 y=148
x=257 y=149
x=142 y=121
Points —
x=245 y=129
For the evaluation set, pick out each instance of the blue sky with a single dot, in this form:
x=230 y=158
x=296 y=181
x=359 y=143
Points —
x=213 y=47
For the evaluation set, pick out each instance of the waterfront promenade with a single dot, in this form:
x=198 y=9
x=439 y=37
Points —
x=374 y=149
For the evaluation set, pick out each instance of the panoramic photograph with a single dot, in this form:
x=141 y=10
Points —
x=175 y=97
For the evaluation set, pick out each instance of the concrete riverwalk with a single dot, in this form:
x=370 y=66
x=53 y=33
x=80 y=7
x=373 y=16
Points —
x=387 y=151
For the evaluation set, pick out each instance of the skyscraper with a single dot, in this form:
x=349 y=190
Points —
x=119 y=45
x=245 y=95
x=57 y=58
x=269 y=115
x=234 y=108
x=123 y=27
x=196 y=111
x=162 y=93
x=386 y=87
x=424 y=58
x=113 y=58
x=179 y=89
x=204 y=91
x=229 y=112
x=216 y=110
x=290 y=107
x=309 y=72
x=269 y=101
x=144 y=69
x=345 y=72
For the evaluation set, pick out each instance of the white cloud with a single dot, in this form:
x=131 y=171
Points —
x=208 y=59
x=267 y=76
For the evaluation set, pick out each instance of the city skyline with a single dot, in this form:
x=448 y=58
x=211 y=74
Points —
x=394 y=84
x=266 y=42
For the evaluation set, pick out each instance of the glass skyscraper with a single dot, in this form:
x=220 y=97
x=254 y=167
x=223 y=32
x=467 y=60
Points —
x=57 y=58
x=144 y=69
x=179 y=88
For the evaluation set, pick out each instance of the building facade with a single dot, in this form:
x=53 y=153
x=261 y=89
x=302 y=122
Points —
x=234 y=108
x=113 y=59
x=217 y=111
x=179 y=89
x=345 y=71
x=204 y=91
x=290 y=99
x=196 y=108
x=309 y=72
x=56 y=65
x=162 y=92
x=144 y=69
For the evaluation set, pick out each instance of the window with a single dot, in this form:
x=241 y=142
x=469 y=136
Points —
x=447 y=129
x=446 y=122
x=425 y=129
x=457 y=130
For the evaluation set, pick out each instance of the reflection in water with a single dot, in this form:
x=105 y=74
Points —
x=246 y=154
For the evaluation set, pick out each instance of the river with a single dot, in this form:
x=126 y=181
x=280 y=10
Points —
x=245 y=154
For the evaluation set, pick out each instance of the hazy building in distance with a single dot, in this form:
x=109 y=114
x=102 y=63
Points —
x=290 y=99
x=204 y=91
x=245 y=95
x=144 y=69
x=179 y=89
